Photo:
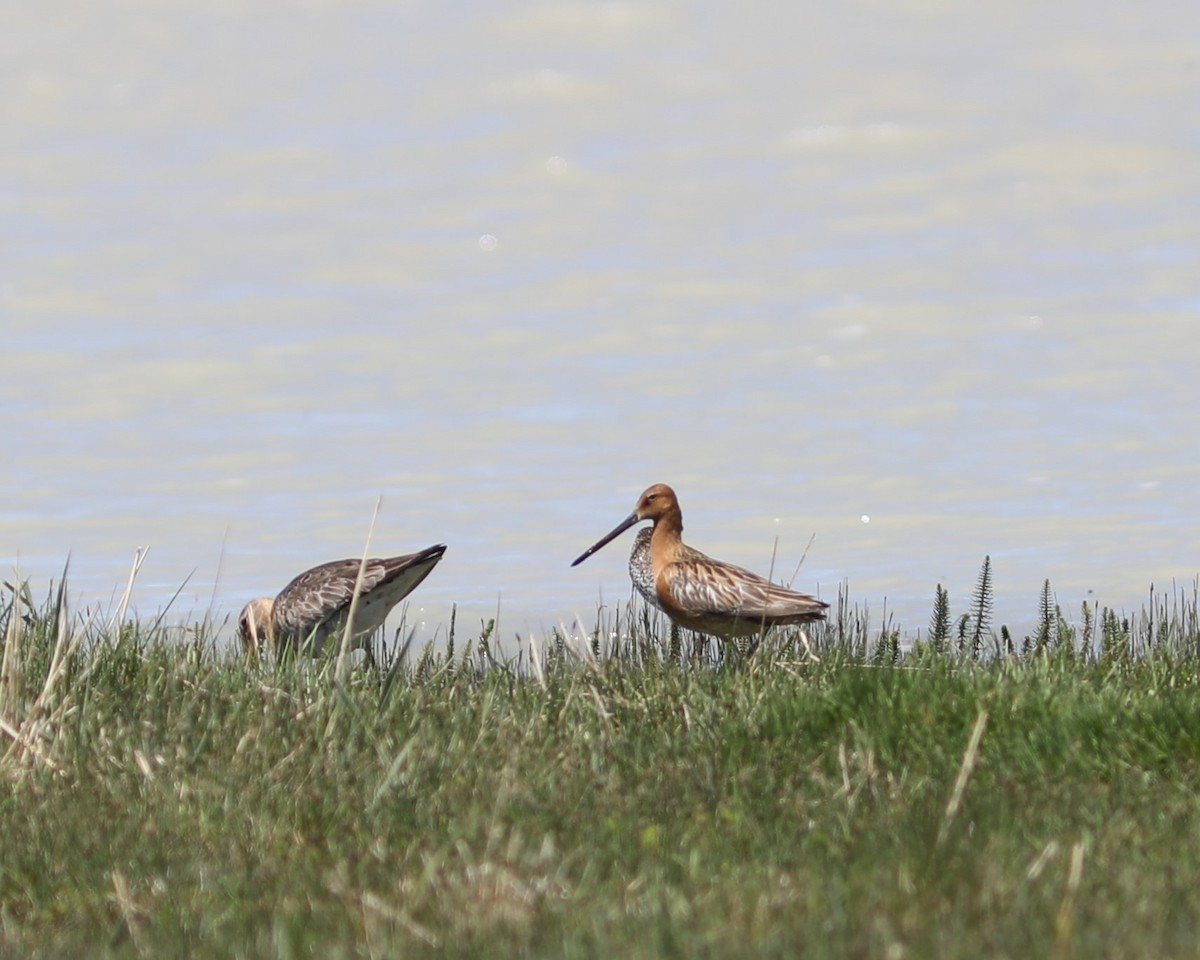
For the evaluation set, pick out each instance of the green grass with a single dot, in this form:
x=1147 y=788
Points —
x=162 y=798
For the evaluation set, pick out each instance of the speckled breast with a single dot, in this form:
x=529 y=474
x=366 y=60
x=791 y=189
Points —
x=641 y=570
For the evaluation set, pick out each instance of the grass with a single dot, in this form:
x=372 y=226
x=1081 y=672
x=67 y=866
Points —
x=622 y=794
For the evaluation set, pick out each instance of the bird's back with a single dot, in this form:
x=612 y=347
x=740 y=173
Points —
x=316 y=604
x=727 y=600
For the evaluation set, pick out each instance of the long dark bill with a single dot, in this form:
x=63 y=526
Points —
x=624 y=525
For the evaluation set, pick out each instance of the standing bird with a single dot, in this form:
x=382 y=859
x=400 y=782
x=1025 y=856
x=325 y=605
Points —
x=694 y=590
x=313 y=608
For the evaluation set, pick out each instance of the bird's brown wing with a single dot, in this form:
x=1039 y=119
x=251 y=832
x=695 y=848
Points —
x=702 y=586
x=322 y=593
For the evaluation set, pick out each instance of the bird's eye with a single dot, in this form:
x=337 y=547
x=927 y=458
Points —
x=652 y=497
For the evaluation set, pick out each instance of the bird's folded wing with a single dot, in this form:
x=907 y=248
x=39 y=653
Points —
x=320 y=593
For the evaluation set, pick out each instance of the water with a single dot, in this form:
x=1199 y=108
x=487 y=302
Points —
x=919 y=280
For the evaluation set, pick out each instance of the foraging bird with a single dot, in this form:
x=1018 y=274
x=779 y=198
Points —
x=313 y=608
x=694 y=590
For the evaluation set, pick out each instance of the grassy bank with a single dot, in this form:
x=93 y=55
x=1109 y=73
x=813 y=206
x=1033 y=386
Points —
x=830 y=797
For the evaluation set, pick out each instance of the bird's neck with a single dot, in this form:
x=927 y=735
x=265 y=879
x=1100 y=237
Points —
x=666 y=539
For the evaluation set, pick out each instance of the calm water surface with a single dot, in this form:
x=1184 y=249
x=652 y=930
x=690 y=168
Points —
x=917 y=279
